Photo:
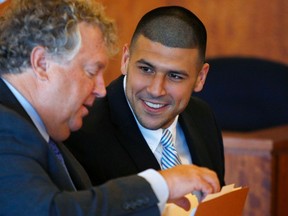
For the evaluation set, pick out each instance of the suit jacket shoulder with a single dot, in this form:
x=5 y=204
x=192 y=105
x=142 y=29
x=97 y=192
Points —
x=33 y=181
x=203 y=136
x=110 y=143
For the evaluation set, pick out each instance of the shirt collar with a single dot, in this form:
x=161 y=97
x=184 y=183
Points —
x=152 y=137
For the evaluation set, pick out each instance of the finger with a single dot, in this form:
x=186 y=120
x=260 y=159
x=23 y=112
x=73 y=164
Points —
x=199 y=195
x=209 y=179
x=182 y=202
x=206 y=188
x=212 y=179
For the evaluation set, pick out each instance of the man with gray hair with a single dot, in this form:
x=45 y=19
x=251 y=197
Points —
x=52 y=58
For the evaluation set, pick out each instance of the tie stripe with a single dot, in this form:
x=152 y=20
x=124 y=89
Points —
x=170 y=157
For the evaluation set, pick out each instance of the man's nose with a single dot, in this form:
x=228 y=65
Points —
x=156 y=86
x=99 y=88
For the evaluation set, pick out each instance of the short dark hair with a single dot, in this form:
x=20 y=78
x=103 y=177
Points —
x=173 y=26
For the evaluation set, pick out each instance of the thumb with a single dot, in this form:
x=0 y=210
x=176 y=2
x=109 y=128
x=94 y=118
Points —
x=182 y=202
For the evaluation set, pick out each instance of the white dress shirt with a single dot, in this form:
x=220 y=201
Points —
x=152 y=138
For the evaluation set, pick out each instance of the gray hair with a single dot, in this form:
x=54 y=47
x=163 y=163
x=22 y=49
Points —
x=51 y=24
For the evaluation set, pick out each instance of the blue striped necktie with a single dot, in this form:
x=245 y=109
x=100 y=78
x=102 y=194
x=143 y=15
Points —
x=170 y=157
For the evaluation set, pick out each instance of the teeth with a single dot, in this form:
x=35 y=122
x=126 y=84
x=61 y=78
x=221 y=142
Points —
x=152 y=105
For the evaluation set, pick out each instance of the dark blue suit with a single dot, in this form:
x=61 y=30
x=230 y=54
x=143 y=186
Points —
x=33 y=181
x=110 y=143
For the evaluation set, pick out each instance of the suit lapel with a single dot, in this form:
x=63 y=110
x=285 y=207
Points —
x=132 y=140
x=8 y=99
x=76 y=171
x=127 y=129
x=194 y=139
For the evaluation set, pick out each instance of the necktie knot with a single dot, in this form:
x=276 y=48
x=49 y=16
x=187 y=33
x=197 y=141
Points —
x=170 y=157
x=166 y=138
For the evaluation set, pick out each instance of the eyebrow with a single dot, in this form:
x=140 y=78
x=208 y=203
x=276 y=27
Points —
x=182 y=72
x=142 y=61
x=99 y=65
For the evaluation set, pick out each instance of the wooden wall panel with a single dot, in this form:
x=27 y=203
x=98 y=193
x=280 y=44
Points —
x=256 y=28
x=259 y=159
x=250 y=167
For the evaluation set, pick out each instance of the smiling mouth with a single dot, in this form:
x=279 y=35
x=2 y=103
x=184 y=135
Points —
x=154 y=105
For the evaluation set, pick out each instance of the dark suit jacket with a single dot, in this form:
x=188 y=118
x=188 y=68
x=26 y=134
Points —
x=33 y=182
x=110 y=143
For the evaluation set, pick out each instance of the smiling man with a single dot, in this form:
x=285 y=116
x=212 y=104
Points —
x=52 y=58
x=162 y=66
x=160 y=81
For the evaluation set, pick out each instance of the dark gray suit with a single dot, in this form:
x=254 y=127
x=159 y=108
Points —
x=33 y=182
x=110 y=143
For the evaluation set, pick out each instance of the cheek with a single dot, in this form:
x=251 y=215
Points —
x=87 y=88
x=84 y=88
x=137 y=82
x=181 y=96
x=131 y=84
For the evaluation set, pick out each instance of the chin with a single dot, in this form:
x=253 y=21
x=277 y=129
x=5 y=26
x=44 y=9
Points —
x=151 y=126
x=76 y=126
x=65 y=137
x=61 y=135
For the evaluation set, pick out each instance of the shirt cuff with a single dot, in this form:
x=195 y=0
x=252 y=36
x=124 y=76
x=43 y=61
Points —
x=158 y=185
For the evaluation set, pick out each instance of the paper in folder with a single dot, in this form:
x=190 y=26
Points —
x=228 y=202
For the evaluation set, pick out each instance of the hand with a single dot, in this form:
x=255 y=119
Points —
x=184 y=179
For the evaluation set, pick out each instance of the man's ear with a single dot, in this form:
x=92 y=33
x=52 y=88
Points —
x=38 y=62
x=201 y=78
x=125 y=59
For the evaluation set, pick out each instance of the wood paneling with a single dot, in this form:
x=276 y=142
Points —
x=259 y=160
x=3 y=5
x=256 y=28
x=235 y=27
